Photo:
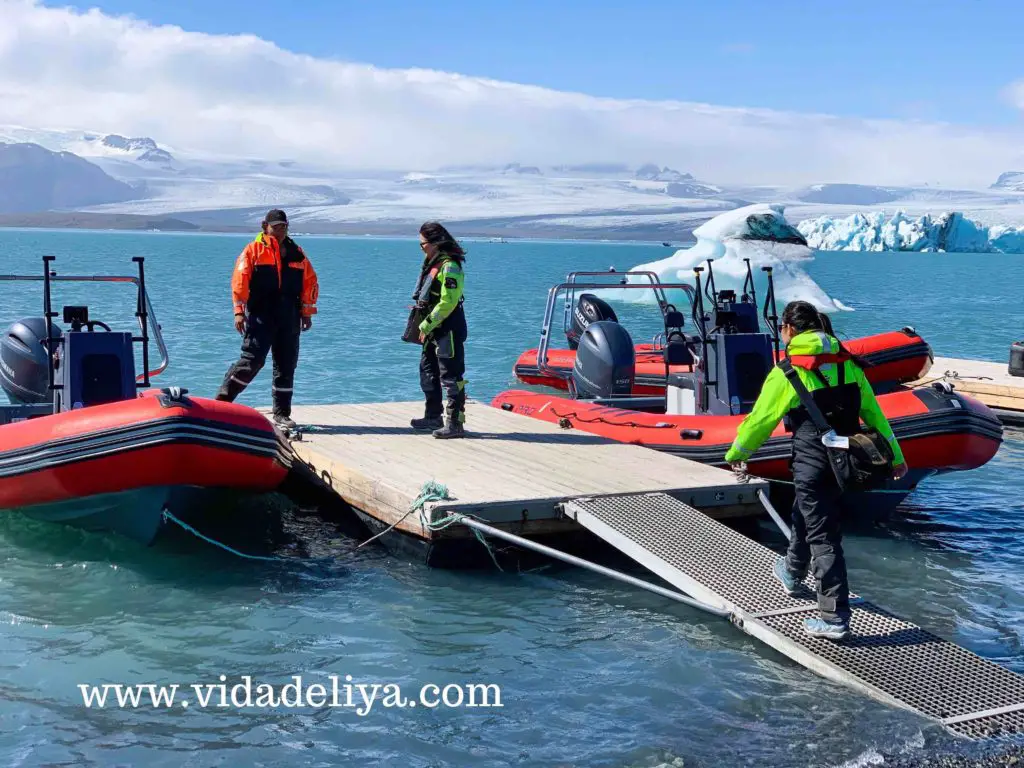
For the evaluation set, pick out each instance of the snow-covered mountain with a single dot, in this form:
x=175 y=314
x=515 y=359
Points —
x=33 y=178
x=114 y=141
x=850 y=194
x=598 y=199
x=1012 y=181
x=651 y=172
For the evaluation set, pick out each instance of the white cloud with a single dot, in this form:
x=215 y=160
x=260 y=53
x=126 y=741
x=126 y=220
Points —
x=1014 y=94
x=240 y=95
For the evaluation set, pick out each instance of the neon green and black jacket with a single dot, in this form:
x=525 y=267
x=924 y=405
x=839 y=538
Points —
x=441 y=293
x=808 y=350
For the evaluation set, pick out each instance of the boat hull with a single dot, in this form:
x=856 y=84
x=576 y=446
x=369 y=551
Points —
x=117 y=467
x=939 y=431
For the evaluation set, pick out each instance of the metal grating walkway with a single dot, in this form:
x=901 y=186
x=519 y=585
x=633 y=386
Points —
x=887 y=658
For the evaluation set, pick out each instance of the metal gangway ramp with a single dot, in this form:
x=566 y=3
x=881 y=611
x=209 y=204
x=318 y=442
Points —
x=886 y=657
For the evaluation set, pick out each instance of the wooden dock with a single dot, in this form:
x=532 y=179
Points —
x=511 y=471
x=989 y=382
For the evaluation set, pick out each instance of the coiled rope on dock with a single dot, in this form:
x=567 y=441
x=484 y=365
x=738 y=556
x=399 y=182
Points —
x=433 y=491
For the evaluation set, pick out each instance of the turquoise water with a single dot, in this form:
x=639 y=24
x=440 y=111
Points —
x=592 y=673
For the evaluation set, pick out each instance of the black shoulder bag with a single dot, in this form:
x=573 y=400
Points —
x=861 y=461
x=412 y=325
x=418 y=312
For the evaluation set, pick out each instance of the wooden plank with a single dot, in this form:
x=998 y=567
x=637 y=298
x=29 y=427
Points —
x=510 y=468
x=989 y=382
x=558 y=452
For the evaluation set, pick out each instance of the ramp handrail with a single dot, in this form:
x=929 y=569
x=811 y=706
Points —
x=573 y=560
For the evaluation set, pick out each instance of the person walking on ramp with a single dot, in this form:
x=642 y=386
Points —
x=818 y=380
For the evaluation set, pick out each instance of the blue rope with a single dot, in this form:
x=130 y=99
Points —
x=435 y=491
x=168 y=516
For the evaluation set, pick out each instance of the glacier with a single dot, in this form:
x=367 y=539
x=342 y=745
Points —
x=878 y=231
x=759 y=232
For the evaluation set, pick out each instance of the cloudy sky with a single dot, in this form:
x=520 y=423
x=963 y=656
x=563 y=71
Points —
x=233 y=91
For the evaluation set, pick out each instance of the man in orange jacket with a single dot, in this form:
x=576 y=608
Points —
x=275 y=290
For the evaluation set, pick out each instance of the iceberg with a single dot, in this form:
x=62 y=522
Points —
x=878 y=231
x=757 y=232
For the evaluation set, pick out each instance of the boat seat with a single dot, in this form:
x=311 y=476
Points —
x=674 y=319
x=98 y=368
x=677 y=349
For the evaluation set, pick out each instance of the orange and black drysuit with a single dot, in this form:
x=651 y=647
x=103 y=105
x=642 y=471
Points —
x=274 y=286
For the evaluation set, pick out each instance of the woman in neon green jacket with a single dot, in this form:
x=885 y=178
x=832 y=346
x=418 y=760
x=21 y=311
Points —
x=837 y=383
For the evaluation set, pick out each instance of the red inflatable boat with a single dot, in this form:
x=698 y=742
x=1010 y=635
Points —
x=80 y=444
x=715 y=376
x=118 y=466
x=894 y=357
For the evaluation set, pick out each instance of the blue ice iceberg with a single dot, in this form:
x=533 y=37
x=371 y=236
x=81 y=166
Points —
x=757 y=232
x=948 y=232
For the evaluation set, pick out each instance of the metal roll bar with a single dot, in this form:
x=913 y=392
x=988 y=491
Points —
x=144 y=312
x=656 y=286
x=549 y=309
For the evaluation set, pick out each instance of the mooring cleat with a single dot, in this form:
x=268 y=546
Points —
x=792 y=587
x=427 y=423
x=827 y=630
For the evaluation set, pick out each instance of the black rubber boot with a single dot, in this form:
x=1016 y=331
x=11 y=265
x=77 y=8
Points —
x=451 y=429
x=453 y=426
x=428 y=423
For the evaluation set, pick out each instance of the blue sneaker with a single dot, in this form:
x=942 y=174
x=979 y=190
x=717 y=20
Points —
x=783 y=576
x=829 y=630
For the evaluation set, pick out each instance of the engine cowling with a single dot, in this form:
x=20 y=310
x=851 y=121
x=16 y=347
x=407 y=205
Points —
x=25 y=362
x=589 y=309
x=605 y=361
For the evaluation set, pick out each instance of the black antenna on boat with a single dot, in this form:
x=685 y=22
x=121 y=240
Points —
x=140 y=312
x=710 y=286
x=749 y=281
x=699 y=321
x=772 y=320
x=49 y=314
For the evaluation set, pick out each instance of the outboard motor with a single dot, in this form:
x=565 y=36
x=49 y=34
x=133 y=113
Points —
x=605 y=361
x=589 y=309
x=25 y=363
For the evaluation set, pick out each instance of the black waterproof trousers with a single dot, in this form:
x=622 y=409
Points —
x=442 y=368
x=275 y=334
x=817 y=530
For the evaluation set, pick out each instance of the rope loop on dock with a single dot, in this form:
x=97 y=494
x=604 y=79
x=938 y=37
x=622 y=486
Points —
x=432 y=490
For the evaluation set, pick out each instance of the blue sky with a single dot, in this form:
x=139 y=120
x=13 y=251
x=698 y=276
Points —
x=738 y=93
x=943 y=60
